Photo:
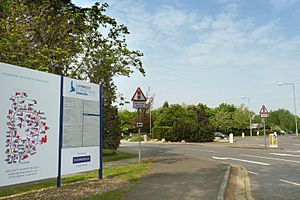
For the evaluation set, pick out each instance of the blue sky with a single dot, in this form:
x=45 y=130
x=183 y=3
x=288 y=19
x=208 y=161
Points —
x=213 y=51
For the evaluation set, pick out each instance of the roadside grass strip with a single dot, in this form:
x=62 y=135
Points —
x=241 y=160
x=269 y=158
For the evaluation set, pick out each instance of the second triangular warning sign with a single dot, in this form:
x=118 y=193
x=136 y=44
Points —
x=263 y=110
x=139 y=95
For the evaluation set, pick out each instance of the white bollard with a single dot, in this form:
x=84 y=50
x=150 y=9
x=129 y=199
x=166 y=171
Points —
x=243 y=134
x=145 y=138
x=230 y=138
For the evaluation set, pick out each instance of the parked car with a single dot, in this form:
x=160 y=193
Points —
x=219 y=135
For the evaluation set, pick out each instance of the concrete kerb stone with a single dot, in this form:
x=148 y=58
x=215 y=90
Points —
x=223 y=187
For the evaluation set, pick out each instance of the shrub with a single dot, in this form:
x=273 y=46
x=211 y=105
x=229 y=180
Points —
x=190 y=132
x=160 y=132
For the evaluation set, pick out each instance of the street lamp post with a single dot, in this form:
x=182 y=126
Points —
x=295 y=109
x=243 y=97
x=150 y=121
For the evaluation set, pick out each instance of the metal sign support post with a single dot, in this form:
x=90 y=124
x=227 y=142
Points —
x=139 y=101
x=264 y=114
x=100 y=171
x=264 y=121
x=139 y=132
x=58 y=180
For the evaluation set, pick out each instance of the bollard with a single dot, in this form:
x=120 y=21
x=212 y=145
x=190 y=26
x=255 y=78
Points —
x=243 y=135
x=230 y=138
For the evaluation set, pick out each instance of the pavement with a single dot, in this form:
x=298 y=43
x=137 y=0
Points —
x=183 y=178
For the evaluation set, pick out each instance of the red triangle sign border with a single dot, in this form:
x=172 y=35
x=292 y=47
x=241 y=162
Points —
x=263 y=110
x=134 y=97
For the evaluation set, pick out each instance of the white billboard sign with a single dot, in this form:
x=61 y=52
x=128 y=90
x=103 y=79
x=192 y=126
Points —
x=29 y=124
x=81 y=127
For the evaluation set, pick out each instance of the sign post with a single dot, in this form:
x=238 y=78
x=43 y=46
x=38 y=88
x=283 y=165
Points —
x=264 y=114
x=139 y=102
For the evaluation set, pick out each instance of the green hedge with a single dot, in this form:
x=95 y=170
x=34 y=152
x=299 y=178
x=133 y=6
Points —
x=160 y=132
x=188 y=131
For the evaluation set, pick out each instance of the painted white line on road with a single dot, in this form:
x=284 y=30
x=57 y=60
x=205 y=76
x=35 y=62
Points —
x=297 y=144
x=209 y=151
x=250 y=172
x=269 y=158
x=290 y=182
x=241 y=160
x=284 y=154
x=293 y=151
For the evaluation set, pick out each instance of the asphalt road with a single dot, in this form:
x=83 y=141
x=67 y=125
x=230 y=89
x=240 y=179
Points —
x=274 y=173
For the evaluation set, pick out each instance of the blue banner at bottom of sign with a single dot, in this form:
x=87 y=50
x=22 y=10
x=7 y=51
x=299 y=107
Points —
x=81 y=159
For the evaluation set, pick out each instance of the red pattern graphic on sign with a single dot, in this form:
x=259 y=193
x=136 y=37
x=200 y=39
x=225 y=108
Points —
x=26 y=128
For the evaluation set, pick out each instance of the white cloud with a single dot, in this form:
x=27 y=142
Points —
x=282 y=4
x=180 y=43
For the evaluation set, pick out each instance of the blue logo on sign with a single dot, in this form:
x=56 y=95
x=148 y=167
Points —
x=72 y=89
x=81 y=89
x=81 y=159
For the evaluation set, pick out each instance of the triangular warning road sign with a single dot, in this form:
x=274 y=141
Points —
x=139 y=95
x=263 y=110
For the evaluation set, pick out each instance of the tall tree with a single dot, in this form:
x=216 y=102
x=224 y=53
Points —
x=40 y=34
x=223 y=117
x=105 y=56
x=60 y=38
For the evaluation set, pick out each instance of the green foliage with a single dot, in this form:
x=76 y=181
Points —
x=189 y=131
x=135 y=138
x=127 y=121
x=240 y=118
x=168 y=116
x=282 y=119
x=177 y=122
x=41 y=35
x=166 y=104
x=114 y=155
x=111 y=129
x=60 y=38
x=222 y=118
x=160 y=132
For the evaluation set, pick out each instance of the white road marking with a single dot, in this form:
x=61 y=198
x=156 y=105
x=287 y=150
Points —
x=293 y=151
x=290 y=182
x=297 y=144
x=250 y=172
x=247 y=161
x=268 y=158
x=284 y=154
x=209 y=151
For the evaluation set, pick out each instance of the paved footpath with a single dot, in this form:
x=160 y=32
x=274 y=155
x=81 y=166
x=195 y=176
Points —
x=183 y=178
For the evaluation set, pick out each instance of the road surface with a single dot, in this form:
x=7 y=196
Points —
x=274 y=173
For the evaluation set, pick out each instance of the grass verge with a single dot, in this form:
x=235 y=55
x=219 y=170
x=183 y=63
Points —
x=108 y=156
x=114 y=155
